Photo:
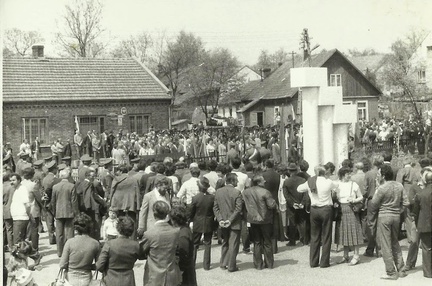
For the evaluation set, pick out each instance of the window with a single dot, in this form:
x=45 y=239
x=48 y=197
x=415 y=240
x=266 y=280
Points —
x=335 y=80
x=89 y=123
x=139 y=124
x=362 y=110
x=257 y=118
x=421 y=76
x=35 y=127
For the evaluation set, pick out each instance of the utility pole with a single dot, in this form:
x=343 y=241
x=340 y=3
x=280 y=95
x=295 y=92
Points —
x=292 y=57
x=305 y=45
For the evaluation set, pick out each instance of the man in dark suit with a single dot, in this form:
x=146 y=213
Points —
x=64 y=204
x=160 y=244
x=86 y=161
x=87 y=143
x=35 y=148
x=423 y=217
x=47 y=185
x=110 y=143
x=202 y=216
x=295 y=208
x=227 y=208
x=272 y=181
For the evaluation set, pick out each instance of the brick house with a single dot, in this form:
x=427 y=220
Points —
x=259 y=102
x=44 y=97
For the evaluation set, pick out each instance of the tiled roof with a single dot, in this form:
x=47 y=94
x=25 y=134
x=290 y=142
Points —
x=373 y=62
x=60 y=79
x=278 y=84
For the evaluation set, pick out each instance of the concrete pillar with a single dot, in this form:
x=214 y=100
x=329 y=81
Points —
x=310 y=125
x=341 y=145
x=326 y=132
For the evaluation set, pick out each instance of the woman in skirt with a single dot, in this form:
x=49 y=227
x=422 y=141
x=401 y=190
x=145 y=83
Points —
x=349 y=232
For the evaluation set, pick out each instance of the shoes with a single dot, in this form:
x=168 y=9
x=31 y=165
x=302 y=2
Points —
x=223 y=267
x=233 y=270
x=407 y=268
x=246 y=250
x=402 y=274
x=291 y=243
x=37 y=258
x=325 y=266
x=343 y=260
x=389 y=277
x=368 y=254
x=354 y=261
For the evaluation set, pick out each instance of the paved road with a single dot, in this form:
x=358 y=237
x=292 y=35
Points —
x=291 y=268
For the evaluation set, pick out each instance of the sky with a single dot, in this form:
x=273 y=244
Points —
x=245 y=27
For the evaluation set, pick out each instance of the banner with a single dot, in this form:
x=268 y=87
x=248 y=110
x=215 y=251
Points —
x=76 y=123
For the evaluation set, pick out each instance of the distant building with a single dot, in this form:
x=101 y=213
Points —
x=44 y=97
x=260 y=102
x=422 y=62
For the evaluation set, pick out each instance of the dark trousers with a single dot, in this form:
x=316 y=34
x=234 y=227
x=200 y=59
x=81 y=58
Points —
x=230 y=247
x=321 y=232
x=297 y=224
x=245 y=237
x=371 y=231
x=387 y=236
x=426 y=244
x=8 y=228
x=49 y=219
x=261 y=237
x=275 y=232
x=34 y=232
x=414 y=240
x=207 y=247
x=19 y=230
x=64 y=231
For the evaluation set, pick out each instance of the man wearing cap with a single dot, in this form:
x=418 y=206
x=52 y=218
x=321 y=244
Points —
x=64 y=204
x=47 y=185
x=67 y=161
x=272 y=182
x=86 y=161
x=295 y=208
x=106 y=176
x=134 y=163
x=23 y=162
x=38 y=190
x=46 y=161
x=125 y=195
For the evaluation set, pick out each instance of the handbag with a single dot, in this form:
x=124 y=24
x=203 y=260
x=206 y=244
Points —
x=358 y=206
x=95 y=282
x=337 y=209
x=61 y=279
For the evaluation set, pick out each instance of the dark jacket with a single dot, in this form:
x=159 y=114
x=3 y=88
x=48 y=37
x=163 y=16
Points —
x=423 y=210
x=290 y=193
x=125 y=193
x=228 y=205
x=201 y=213
x=258 y=203
x=117 y=260
x=272 y=179
x=64 y=200
x=185 y=253
x=8 y=192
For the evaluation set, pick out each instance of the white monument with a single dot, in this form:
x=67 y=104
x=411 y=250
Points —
x=325 y=118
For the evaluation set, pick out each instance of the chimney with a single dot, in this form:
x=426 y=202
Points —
x=38 y=51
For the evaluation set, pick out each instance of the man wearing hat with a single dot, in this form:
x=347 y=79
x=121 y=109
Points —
x=66 y=160
x=23 y=162
x=295 y=208
x=134 y=163
x=47 y=185
x=106 y=175
x=46 y=161
x=86 y=161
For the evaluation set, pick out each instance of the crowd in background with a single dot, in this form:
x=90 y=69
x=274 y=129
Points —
x=123 y=203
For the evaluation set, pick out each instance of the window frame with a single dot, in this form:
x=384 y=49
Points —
x=334 y=79
x=421 y=76
x=144 y=130
x=27 y=123
x=365 y=108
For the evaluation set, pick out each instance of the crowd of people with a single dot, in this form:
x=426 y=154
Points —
x=133 y=207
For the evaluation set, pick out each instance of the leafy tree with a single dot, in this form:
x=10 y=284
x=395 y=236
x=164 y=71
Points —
x=209 y=79
x=18 y=42
x=366 y=52
x=81 y=29
x=400 y=72
x=177 y=58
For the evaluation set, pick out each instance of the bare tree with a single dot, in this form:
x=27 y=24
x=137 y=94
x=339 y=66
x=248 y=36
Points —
x=209 y=79
x=177 y=58
x=18 y=42
x=81 y=29
x=135 y=46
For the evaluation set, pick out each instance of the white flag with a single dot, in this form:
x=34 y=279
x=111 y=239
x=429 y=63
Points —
x=76 y=123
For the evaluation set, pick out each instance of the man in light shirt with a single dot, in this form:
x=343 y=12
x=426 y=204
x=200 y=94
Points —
x=243 y=179
x=190 y=188
x=319 y=189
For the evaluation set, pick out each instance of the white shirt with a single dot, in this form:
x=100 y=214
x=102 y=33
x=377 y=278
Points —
x=323 y=196
x=213 y=177
x=189 y=189
x=347 y=190
x=243 y=180
x=20 y=200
